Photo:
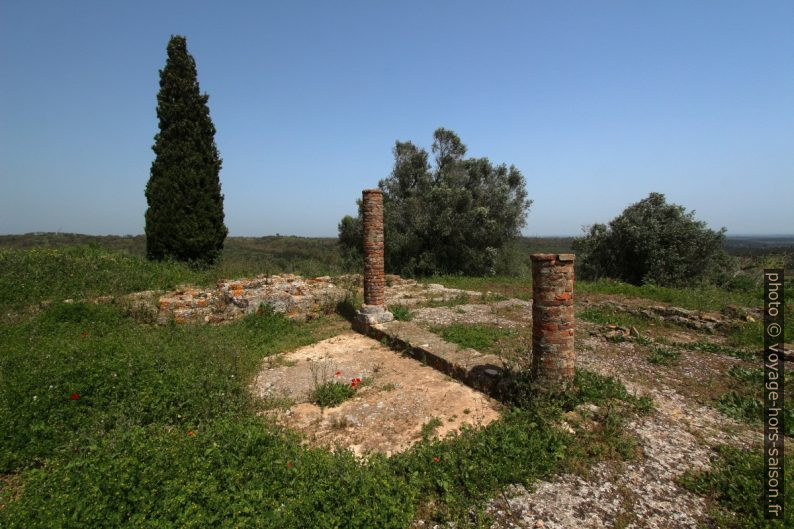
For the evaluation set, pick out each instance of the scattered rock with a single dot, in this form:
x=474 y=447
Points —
x=294 y=296
x=709 y=322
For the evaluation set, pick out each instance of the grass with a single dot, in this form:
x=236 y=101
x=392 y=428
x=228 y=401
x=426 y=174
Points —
x=330 y=394
x=663 y=356
x=163 y=431
x=479 y=337
x=429 y=428
x=460 y=299
x=311 y=256
x=126 y=375
x=609 y=316
x=167 y=409
x=707 y=298
x=401 y=312
x=114 y=423
x=745 y=401
x=507 y=286
x=35 y=275
x=734 y=483
x=713 y=348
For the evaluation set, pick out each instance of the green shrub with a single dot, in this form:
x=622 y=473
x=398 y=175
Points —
x=652 y=242
x=401 y=312
x=331 y=394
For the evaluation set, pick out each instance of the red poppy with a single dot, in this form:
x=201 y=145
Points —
x=85 y=334
x=436 y=459
x=338 y=373
x=290 y=464
x=191 y=433
x=74 y=396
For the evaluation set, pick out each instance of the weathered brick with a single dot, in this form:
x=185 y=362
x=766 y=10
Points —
x=374 y=281
x=553 y=324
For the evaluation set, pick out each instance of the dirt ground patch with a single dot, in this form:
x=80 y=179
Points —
x=387 y=414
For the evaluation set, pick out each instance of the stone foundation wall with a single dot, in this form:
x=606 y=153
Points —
x=295 y=297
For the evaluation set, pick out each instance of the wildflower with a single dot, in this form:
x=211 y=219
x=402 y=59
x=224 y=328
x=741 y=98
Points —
x=74 y=396
x=436 y=459
x=85 y=334
x=191 y=433
x=338 y=373
x=290 y=464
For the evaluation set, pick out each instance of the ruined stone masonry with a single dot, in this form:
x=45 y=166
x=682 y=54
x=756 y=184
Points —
x=553 y=324
x=374 y=308
x=291 y=295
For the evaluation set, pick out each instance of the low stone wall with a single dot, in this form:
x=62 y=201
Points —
x=709 y=322
x=294 y=296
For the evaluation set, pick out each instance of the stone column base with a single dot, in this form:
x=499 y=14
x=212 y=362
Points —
x=373 y=314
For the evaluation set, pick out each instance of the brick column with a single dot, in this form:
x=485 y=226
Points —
x=374 y=308
x=553 y=324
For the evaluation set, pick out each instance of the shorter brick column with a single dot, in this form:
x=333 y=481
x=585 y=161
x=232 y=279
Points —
x=374 y=308
x=553 y=324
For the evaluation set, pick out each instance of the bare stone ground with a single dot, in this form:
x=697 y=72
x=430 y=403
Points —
x=409 y=293
x=386 y=414
x=676 y=437
x=642 y=493
x=471 y=313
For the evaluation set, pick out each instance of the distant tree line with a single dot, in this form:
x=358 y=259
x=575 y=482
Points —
x=456 y=215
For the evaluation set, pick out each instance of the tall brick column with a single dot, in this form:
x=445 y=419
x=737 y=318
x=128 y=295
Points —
x=553 y=325
x=374 y=308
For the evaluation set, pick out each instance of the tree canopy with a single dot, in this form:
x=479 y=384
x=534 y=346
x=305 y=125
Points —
x=652 y=242
x=184 y=220
x=455 y=216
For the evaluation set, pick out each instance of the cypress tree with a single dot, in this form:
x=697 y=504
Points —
x=184 y=220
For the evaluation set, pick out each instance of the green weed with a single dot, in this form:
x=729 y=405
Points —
x=734 y=482
x=331 y=394
x=608 y=316
x=479 y=337
x=746 y=401
x=401 y=312
x=429 y=428
x=662 y=356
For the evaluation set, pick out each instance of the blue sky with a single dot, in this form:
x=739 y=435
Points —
x=597 y=103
